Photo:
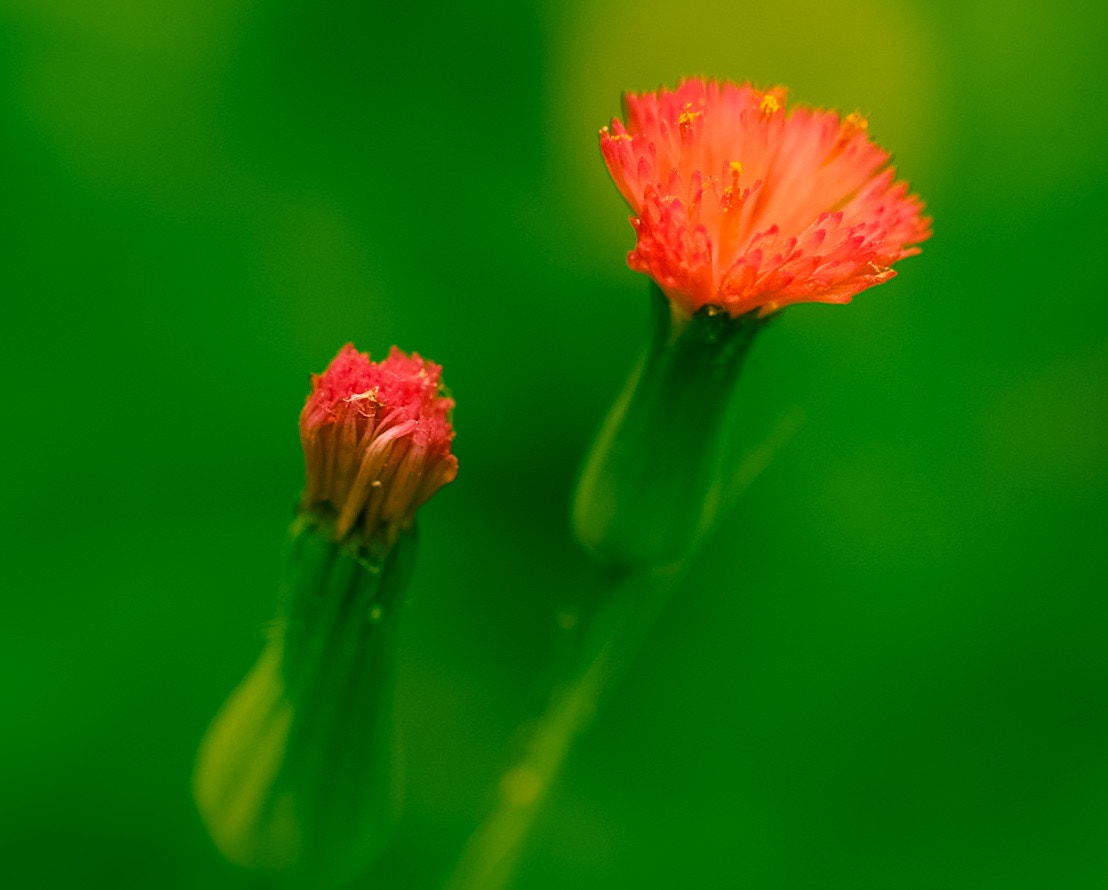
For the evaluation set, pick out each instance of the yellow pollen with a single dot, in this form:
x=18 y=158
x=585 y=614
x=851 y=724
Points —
x=686 y=118
x=732 y=192
x=770 y=106
x=857 y=119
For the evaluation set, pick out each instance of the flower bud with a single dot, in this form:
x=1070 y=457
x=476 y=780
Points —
x=298 y=770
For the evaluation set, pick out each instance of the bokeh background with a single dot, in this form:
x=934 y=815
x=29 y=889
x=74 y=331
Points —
x=888 y=667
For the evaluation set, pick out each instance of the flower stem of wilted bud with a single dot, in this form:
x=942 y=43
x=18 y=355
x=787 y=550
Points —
x=298 y=770
x=653 y=480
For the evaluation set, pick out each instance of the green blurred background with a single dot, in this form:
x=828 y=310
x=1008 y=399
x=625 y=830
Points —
x=888 y=668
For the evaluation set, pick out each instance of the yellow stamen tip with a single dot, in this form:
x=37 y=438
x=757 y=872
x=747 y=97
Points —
x=686 y=118
x=770 y=106
x=737 y=168
x=857 y=119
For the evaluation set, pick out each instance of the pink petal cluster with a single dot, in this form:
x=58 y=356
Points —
x=376 y=440
x=742 y=204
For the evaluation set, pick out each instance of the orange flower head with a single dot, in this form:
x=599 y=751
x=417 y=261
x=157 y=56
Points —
x=741 y=204
x=376 y=440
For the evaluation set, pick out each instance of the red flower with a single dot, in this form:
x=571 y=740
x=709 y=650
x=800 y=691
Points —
x=376 y=440
x=741 y=204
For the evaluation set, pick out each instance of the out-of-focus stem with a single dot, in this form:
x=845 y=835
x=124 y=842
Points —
x=630 y=606
x=492 y=852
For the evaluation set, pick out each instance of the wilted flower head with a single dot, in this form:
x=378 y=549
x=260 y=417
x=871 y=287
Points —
x=376 y=440
x=742 y=204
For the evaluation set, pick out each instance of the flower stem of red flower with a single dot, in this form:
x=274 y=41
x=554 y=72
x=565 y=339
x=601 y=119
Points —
x=654 y=479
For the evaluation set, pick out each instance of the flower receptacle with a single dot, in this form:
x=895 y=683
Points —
x=650 y=486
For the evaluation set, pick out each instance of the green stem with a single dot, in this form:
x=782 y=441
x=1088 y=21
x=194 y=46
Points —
x=630 y=605
x=631 y=608
x=296 y=773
